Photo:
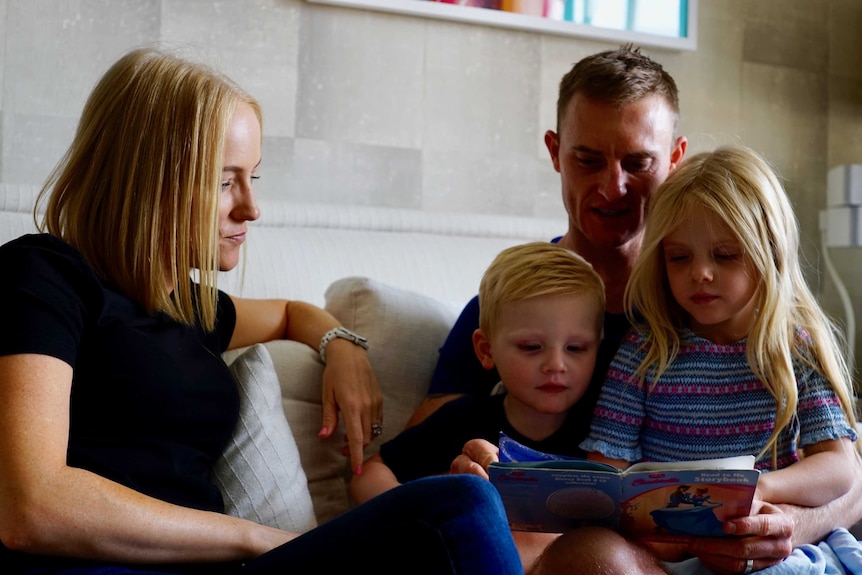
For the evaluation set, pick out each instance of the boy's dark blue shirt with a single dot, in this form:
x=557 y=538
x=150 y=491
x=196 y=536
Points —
x=429 y=447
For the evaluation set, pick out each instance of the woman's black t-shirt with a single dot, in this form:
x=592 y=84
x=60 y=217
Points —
x=152 y=403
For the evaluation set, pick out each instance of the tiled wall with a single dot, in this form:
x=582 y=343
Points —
x=380 y=109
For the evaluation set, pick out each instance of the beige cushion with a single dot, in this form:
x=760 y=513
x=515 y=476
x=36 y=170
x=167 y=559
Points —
x=259 y=473
x=404 y=329
x=300 y=375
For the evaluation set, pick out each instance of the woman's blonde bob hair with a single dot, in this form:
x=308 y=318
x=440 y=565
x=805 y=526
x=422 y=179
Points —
x=137 y=191
x=742 y=190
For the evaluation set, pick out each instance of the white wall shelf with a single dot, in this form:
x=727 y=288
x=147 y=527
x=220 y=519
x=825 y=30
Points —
x=518 y=21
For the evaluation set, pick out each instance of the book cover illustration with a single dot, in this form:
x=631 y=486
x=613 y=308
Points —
x=654 y=501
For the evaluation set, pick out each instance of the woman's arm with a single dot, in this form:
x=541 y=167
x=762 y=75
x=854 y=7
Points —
x=47 y=507
x=828 y=465
x=349 y=384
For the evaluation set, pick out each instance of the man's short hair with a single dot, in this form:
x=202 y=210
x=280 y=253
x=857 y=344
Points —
x=617 y=77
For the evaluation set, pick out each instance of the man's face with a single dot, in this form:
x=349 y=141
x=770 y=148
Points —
x=611 y=159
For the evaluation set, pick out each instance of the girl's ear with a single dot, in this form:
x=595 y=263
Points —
x=482 y=347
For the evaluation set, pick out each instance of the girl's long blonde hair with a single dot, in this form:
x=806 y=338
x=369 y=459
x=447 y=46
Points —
x=742 y=190
x=137 y=191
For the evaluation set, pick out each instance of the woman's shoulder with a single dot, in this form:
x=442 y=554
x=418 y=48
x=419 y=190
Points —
x=40 y=246
x=40 y=259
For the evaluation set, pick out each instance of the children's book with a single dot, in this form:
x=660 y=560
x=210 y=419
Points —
x=653 y=501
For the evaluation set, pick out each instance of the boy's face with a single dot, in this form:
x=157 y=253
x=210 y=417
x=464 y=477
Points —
x=545 y=350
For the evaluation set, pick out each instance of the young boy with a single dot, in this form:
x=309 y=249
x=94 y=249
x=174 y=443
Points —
x=540 y=324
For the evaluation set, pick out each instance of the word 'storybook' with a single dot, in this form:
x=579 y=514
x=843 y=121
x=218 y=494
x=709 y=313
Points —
x=653 y=501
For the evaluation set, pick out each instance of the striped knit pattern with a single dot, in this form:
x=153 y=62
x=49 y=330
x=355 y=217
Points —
x=707 y=404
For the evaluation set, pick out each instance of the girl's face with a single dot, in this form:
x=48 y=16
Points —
x=711 y=278
x=236 y=200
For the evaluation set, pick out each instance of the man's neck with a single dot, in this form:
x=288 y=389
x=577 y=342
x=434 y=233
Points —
x=613 y=264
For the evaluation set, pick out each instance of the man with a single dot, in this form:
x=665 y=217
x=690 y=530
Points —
x=615 y=143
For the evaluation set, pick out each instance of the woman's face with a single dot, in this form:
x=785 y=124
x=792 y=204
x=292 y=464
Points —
x=236 y=199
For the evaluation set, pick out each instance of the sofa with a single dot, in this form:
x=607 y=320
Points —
x=397 y=276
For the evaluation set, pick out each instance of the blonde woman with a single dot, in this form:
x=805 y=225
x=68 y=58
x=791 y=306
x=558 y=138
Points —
x=114 y=400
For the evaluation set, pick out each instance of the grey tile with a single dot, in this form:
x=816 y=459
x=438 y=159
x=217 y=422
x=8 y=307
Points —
x=354 y=174
x=276 y=168
x=845 y=41
x=784 y=113
x=710 y=79
x=32 y=146
x=474 y=181
x=791 y=33
x=50 y=68
x=481 y=89
x=4 y=9
x=784 y=118
x=361 y=77
x=255 y=42
x=845 y=121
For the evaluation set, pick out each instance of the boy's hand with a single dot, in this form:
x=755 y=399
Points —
x=475 y=457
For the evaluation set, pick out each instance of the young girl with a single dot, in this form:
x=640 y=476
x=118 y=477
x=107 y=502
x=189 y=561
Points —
x=731 y=353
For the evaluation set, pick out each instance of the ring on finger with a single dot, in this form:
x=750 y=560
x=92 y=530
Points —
x=749 y=566
x=376 y=429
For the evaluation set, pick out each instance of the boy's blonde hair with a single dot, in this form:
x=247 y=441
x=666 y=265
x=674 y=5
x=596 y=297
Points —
x=137 y=191
x=743 y=191
x=532 y=270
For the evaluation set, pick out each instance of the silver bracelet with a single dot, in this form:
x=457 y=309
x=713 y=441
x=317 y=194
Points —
x=343 y=333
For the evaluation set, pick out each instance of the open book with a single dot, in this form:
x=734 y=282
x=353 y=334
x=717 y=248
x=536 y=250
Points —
x=653 y=501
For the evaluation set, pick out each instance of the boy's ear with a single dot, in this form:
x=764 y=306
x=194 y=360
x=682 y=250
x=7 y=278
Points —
x=482 y=347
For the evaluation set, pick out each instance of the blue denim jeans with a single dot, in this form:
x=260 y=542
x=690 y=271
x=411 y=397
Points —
x=452 y=524
x=446 y=525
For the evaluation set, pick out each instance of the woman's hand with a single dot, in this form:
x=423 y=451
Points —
x=763 y=537
x=475 y=458
x=350 y=386
x=349 y=383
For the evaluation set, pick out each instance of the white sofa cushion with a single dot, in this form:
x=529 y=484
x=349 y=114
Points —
x=259 y=473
